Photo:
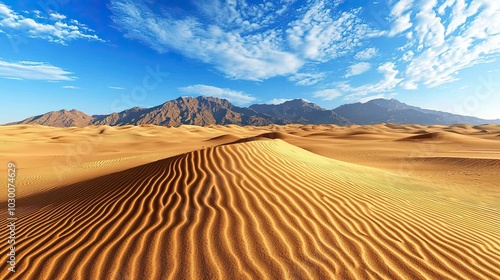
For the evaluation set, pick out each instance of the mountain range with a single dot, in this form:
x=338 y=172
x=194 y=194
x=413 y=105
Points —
x=210 y=110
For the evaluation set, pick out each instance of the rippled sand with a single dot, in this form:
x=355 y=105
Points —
x=275 y=202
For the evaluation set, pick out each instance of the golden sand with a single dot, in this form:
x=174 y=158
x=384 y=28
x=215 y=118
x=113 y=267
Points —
x=275 y=202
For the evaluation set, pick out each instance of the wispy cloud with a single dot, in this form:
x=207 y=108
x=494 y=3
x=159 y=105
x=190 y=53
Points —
x=306 y=79
x=400 y=17
x=239 y=55
x=29 y=70
x=242 y=41
x=357 y=69
x=320 y=35
x=445 y=38
x=241 y=15
x=71 y=87
x=56 y=28
x=428 y=42
x=12 y=78
x=388 y=82
x=366 y=54
x=276 y=101
x=117 y=88
x=238 y=97
x=327 y=94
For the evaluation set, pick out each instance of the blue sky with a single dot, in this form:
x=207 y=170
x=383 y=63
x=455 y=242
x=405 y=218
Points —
x=105 y=56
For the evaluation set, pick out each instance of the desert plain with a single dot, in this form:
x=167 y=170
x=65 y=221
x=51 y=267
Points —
x=274 y=202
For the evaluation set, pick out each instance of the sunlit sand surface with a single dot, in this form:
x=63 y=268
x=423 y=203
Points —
x=274 y=202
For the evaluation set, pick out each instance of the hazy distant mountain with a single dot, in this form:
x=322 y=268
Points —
x=300 y=111
x=210 y=110
x=443 y=117
x=62 y=118
x=393 y=111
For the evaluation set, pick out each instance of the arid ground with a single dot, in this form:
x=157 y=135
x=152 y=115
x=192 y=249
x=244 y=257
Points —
x=274 y=202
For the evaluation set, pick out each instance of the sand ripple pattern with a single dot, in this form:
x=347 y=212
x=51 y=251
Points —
x=252 y=210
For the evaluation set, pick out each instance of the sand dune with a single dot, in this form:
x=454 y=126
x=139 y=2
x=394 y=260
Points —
x=442 y=136
x=224 y=138
x=250 y=203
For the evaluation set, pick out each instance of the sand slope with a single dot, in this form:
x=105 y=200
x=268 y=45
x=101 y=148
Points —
x=257 y=209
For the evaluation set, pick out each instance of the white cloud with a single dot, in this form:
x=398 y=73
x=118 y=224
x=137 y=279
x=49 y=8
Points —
x=306 y=79
x=444 y=6
x=400 y=17
x=240 y=55
x=400 y=24
x=55 y=30
x=57 y=16
x=12 y=78
x=240 y=14
x=116 y=88
x=407 y=55
x=428 y=27
x=327 y=94
x=71 y=87
x=241 y=39
x=401 y=7
x=276 y=101
x=446 y=43
x=357 y=69
x=387 y=83
x=28 y=70
x=238 y=97
x=460 y=13
x=321 y=36
x=366 y=54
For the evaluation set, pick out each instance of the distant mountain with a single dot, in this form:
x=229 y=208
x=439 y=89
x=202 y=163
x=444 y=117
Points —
x=183 y=110
x=62 y=118
x=443 y=117
x=301 y=112
x=393 y=111
x=209 y=110
x=187 y=110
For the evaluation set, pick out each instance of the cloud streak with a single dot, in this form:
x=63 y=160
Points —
x=71 y=87
x=306 y=79
x=29 y=70
x=116 y=88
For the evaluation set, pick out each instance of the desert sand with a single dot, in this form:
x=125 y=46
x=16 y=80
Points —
x=276 y=202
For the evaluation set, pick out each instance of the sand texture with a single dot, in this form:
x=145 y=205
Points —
x=273 y=202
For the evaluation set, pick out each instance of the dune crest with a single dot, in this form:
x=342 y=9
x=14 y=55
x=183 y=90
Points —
x=261 y=209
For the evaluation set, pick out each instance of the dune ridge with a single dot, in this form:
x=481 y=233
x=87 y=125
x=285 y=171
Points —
x=261 y=209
